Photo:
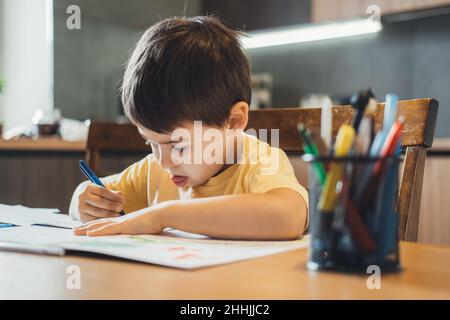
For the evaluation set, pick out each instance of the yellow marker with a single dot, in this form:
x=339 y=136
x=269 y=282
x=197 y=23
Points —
x=343 y=146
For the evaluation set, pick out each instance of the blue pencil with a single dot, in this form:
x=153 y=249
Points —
x=93 y=177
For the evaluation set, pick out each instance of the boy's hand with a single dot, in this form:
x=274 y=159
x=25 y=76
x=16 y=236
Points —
x=139 y=222
x=96 y=202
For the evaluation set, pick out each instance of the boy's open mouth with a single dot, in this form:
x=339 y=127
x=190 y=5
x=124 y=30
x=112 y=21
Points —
x=180 y=181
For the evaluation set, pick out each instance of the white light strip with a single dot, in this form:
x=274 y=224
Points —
x=301 y=34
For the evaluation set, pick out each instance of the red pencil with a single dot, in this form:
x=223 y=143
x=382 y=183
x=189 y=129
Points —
x=390 y=145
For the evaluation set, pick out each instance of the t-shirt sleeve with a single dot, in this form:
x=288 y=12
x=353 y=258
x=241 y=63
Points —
x=132 y=182
x=276 y=173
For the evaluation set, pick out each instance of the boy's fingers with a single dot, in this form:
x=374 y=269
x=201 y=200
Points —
x=97 y=222
x=120 y=194
x=79 y=232
x=121 y=197
x=85 y=217
x=105 y=193
x=104 y=208
x=100 y=213
x=94 y=211
x=91 y=226
x=108 y=229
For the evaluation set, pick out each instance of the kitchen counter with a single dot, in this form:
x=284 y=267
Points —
x=42 y=144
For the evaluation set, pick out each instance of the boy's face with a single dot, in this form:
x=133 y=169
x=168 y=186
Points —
x=192 y=153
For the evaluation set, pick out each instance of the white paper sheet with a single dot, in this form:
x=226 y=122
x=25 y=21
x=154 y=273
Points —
x=37 y=235
x=189 y=251
x=24 y=216
x=35 y=239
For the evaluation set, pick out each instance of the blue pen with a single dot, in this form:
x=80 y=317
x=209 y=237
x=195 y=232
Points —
x=6 y=225
x=93 y=177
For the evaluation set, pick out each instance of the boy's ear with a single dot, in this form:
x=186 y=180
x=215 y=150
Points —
x=238 y=115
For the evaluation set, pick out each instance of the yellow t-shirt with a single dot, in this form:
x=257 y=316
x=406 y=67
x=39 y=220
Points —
x=261 y=168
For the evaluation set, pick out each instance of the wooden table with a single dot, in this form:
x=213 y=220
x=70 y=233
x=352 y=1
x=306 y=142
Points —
x=426 y=275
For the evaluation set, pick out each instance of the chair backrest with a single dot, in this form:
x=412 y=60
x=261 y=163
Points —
x=112 y=137
x=420 y=119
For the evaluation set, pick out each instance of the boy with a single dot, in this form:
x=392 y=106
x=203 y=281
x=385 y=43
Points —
x=186 y=74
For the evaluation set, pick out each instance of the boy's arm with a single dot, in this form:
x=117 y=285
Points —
x=275 y=208
x=279 y=214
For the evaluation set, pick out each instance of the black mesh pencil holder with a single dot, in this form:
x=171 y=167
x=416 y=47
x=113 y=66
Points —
x=353 y=215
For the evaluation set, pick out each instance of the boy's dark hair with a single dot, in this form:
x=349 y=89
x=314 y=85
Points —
x=185 y=69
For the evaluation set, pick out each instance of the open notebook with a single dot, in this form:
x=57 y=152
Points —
x=173 y=248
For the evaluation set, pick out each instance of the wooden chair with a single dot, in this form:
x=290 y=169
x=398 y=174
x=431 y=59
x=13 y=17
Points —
x=420 y=119
x=104 y=137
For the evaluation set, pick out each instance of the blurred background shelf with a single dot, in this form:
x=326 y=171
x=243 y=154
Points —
x=42 y=145
x=45 y=172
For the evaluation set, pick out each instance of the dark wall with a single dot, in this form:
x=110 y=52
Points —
x=89 y=63
x=411 y=59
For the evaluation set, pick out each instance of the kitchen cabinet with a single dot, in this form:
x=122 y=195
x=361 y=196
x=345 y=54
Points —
x=330 y=10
